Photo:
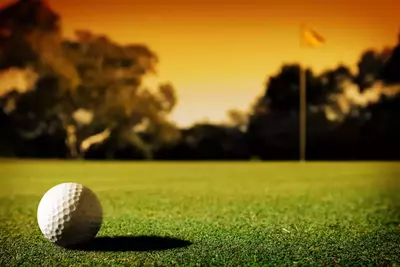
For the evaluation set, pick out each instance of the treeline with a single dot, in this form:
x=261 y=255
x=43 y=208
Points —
x=85 y=98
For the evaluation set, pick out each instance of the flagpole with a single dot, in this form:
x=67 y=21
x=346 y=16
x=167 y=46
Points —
x=308 y=38
x=303 y=114
x=303 y=105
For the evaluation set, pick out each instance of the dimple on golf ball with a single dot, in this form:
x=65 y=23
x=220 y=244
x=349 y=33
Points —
x=69 y=214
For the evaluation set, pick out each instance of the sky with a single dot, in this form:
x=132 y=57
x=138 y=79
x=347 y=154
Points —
x=219 y=54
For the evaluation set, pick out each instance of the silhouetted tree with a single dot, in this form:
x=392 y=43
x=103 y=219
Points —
x=282 y=91
x=7 y=135
x=111 y=90
x=85 y=86
x=273 y=130
x=30 y=36
x=370 y=67
x=207 y=142
x=390 y=72
x=35 y=124
x=381 y=131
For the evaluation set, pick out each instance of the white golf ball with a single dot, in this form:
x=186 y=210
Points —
x=69 y=214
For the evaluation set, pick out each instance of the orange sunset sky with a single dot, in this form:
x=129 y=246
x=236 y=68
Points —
x=218 y=54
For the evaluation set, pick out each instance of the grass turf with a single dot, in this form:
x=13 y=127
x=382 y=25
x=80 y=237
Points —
x=219 y=214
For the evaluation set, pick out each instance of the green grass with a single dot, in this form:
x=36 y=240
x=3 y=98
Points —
x=234 y=214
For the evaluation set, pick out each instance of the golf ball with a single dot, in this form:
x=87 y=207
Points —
x=69 y=214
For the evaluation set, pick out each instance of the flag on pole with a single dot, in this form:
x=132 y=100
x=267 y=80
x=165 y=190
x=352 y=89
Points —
x=308 y=38
x=311 y=38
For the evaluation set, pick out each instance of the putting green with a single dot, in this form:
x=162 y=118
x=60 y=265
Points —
x=219 y=214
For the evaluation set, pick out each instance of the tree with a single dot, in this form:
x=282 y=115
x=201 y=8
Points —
x=370 y=67
x=86 y=87
x=30 y=36
x=206 y=141
x=380 y=132
x=32 y=121
x=112 y=91
x=390 y=72
x=282 y=90
x=238 y=119
x=273 y=128
x=7 y=134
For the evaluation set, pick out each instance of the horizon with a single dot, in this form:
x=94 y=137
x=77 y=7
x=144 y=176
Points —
x=234 y=50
